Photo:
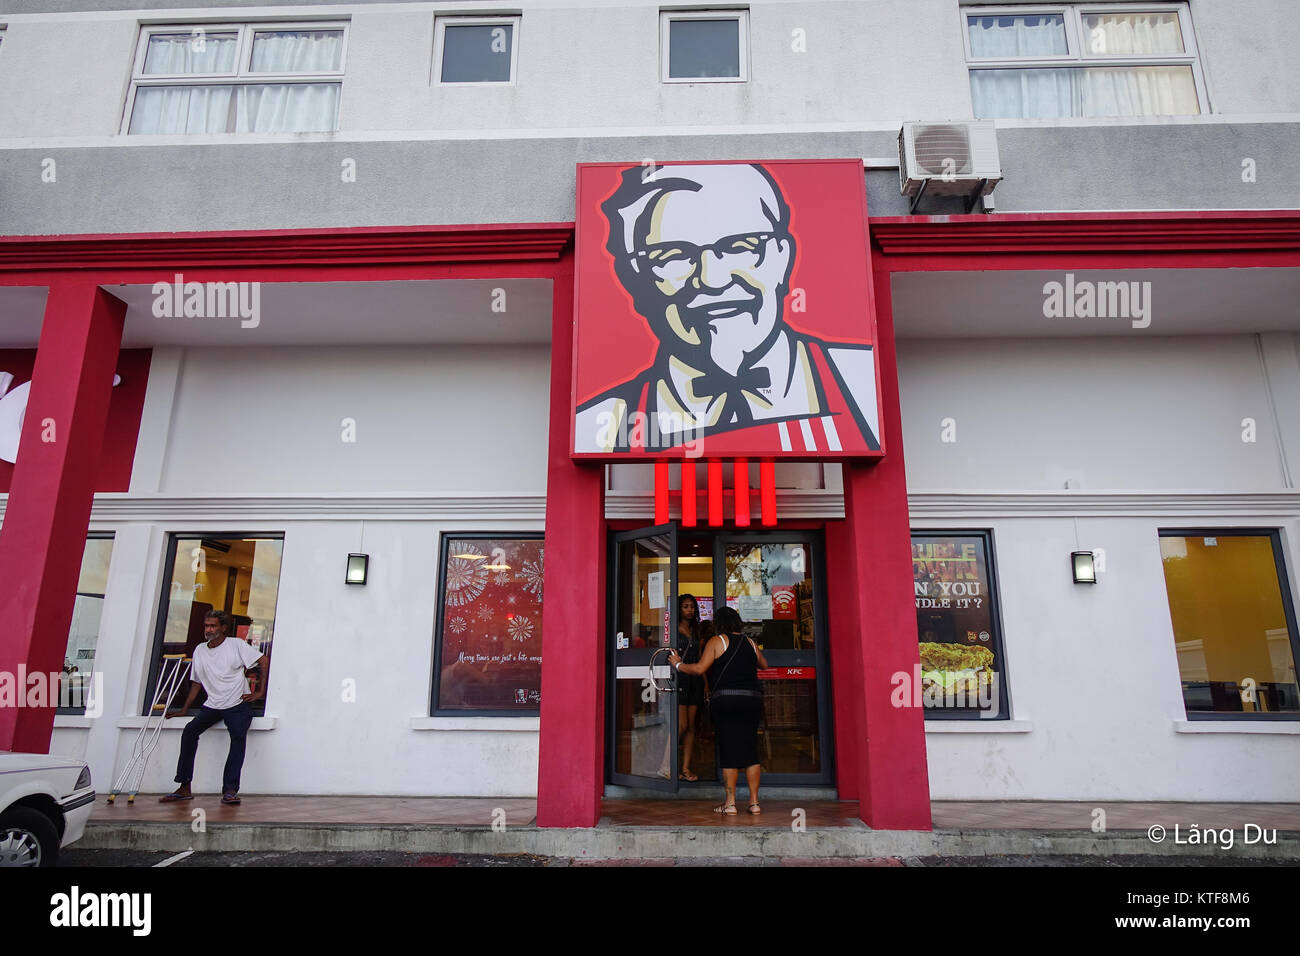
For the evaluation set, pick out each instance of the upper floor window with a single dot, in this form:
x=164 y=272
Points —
x=263 y=78
x=704 y=46
x=1082 y=60
x=476 y=49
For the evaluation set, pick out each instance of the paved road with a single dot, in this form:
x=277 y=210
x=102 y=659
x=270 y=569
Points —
x=73 y=857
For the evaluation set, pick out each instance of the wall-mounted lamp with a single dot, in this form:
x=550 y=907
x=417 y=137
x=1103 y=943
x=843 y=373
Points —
x=358 y=564
x=1085 y=572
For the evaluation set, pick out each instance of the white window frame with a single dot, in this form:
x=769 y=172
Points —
x=666 y=17
x=440 y=42
x=1077 y=54
x=241 y=75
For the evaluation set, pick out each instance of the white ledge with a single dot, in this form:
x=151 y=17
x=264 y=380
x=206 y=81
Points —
x=178 y=723
x=978 y=726
x=525 y=724
x=1237 y=726
x=73 y=720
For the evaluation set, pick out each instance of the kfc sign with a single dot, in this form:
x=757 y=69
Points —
x=724 y=309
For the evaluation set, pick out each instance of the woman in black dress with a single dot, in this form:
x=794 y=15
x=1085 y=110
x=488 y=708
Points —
x=735 y=702
x=690 y=689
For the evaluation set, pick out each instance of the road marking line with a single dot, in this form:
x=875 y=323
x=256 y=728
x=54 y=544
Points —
x=172 y=859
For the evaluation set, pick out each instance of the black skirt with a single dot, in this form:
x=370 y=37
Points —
x=735 y=719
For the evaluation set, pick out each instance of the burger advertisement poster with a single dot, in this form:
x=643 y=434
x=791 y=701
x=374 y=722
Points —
x=954 y=620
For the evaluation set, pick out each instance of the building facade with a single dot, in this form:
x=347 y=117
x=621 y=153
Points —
x=330 y=252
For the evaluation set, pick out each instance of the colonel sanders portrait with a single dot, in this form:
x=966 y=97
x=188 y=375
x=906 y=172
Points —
x=706 y=254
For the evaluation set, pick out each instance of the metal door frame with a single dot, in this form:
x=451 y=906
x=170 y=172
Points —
x=617 y=539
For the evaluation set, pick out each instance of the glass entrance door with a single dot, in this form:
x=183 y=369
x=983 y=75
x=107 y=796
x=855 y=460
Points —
x=775 y=583
x=643 y=620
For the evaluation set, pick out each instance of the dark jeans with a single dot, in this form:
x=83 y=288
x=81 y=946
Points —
x=238 y=719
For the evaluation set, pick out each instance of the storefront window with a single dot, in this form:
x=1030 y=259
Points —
x=77 y=681
x=239 y=575
x=961 y=671
x=1234 y=628
x=489 y=627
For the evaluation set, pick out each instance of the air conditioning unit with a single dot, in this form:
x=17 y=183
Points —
x=948 y=159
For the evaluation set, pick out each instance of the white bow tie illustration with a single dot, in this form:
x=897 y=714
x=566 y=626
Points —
x=13 y=406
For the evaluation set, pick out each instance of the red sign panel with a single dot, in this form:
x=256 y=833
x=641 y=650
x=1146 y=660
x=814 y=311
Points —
x=724 y=309
x=787 y=673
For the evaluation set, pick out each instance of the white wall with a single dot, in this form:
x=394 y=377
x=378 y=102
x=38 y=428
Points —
x=429 y=420
x=379 y=637
x=1094 y=675
x=1158 y=413
x=596 y=63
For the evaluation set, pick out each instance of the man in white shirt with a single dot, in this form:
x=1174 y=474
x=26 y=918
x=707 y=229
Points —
x=219 y=666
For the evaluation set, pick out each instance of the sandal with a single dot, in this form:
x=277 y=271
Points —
x=755 y=808
x=728 y=808
x=230 y=799
x=175 y=797
x=688 y=776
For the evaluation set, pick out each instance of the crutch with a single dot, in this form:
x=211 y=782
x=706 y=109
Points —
x=175 y=669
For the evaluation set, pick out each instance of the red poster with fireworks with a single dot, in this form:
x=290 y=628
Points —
x=724 y=309
x=491 y=625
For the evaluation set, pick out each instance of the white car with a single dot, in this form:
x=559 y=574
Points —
x=45 y=802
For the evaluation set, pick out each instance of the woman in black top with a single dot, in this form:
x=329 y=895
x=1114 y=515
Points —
x=735 y=703
x=690 y=690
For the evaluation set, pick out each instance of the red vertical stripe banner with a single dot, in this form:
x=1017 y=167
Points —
x=715 y=494
x=742 y=492
x=661 y=492
x=688 y=494
x=767 y=491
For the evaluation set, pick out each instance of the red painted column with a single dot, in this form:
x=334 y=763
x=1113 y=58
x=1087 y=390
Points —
x=846 y=626
x=893 y=781
x=44 y=532
x=570 y=764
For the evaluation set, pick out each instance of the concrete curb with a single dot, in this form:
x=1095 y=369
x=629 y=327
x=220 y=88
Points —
x=610 y=842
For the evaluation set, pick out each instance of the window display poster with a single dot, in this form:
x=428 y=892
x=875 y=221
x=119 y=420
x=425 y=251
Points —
x=954 y=619
x=491 y=655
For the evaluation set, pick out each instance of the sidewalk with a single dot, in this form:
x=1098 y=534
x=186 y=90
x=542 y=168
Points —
x=688 y=829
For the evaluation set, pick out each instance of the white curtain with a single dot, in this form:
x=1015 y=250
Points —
x=258 y=108
x=1017 y=36
x=1080 y=91
x=287 y=108
x=297 y=52
x=181 y=109
x=1131 y=34
x=1084 y=91
x=187 y=54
